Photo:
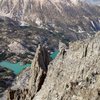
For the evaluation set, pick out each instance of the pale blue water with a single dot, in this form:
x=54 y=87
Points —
x=53 y=56
x=16 y=68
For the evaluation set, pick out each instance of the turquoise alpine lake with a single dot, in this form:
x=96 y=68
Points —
x=15 y=67
x=18 y=67
x=54 y=54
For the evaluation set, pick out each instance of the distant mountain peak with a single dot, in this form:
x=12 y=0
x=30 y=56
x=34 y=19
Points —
x=19 y=8
x=61 y=15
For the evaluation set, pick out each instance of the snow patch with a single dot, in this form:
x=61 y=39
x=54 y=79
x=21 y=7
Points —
x=80 y=30
x=93 y=24
x=38 y=21
x=23 y=23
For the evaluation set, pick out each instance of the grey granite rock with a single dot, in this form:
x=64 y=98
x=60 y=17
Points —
x=33 y=83
x=76 y=76
x=73 y=76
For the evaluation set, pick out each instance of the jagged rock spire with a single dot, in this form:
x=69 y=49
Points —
x=38 y=75
x=39 y=69
x=76 y=76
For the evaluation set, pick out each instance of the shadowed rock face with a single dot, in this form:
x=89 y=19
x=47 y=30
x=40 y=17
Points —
x=6 y=79
x=76 y=75
x=73 y=75
x=37 y=75
x=39 y=70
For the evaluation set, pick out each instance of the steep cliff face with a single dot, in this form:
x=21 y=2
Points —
x=73 y=75
x=38 y=70
x=31 y=80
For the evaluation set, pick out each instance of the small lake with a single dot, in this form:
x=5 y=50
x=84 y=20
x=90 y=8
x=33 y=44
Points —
x=53 y=55
x=15 y=67
x=18 y=67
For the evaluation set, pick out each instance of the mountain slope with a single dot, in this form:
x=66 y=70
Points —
x=19 y=43
x=30 y=22
x=73 y=75
x=26 y=23
x=67 y=16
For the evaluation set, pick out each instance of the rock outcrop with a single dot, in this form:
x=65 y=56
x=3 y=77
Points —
x=76 y=75
x=17 y=48
x=38 y=73
x=73 y=75
x=39 y=70
x=6 y=79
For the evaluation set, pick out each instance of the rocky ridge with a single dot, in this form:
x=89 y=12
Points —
x=73 y=75
x=33 y=83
